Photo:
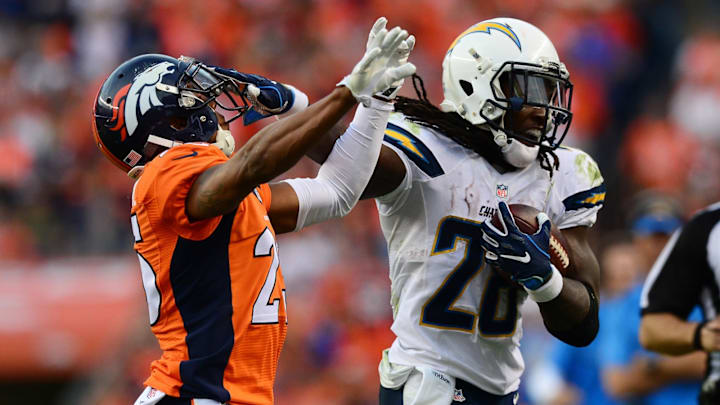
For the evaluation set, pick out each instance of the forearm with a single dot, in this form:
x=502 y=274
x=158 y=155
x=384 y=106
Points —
x=568 y=309
x=686 y=367
x=666 y=333
x=270 y=152
x=647 y=374
x=347 y=170
x=321 y=150
x=573 y=316
x=277 y=147
x=625 y=382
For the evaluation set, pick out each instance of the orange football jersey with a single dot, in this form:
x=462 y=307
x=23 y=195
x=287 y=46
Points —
x=215 y=292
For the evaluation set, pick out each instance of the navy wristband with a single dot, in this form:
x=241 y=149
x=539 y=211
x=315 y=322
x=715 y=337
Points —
x=697 y=342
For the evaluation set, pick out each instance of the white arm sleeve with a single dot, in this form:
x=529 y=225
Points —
x=347 y=170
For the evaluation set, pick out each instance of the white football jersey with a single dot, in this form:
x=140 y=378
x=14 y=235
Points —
x=450 y=311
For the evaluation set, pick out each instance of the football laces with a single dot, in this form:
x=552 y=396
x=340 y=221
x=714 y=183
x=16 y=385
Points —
x=557 y=248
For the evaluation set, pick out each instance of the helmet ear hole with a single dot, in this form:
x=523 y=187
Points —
x=467 y=87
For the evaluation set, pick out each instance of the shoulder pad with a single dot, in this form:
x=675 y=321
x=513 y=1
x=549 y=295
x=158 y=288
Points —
x=413 y=148
x=583 y=182
x=585 y=199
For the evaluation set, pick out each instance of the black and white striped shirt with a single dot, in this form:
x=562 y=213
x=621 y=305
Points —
x=687 y=273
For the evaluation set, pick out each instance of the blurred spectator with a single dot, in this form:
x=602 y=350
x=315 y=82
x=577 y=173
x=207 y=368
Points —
x=658 y=155
x=630 y=373
x=571 y=375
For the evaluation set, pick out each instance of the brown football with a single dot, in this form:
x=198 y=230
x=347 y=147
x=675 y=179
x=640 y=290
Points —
x=526 y=220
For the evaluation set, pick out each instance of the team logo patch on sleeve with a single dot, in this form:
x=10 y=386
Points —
x=586 y=199
x=414 y=149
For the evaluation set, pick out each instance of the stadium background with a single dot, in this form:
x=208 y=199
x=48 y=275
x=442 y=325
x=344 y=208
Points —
x=73 y=319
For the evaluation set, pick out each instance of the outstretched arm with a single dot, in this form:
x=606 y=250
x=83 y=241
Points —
x=297 y=203
x=390 y=170
x=347 y=167
x=280 y=145
x=270 y=152
x=387 y=175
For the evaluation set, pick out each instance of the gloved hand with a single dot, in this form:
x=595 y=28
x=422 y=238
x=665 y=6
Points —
x=267 y=97
x=523 y=257
x=401 y=57
x=380 y=67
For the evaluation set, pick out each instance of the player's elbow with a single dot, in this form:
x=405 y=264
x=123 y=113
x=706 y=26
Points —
x=584 y=332
x=579 y=336
x=346 y=203
x=344 y=195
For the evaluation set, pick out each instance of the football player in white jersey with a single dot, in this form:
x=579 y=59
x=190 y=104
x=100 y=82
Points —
x=442 y=172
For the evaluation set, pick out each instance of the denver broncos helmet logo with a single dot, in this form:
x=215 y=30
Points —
x=486 y=27
x=118 y=104
x=137 y=97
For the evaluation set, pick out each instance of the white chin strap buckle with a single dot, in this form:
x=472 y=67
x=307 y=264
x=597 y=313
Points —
x=225 y=141
x=500 y=139
x=136 y=172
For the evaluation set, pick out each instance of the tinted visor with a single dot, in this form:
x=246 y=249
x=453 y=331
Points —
x=201 y=77
x=536 y=89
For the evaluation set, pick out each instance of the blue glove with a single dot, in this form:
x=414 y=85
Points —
x=523 y=257
x=266 y=96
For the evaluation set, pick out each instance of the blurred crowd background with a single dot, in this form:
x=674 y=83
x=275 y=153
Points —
x=73 y=320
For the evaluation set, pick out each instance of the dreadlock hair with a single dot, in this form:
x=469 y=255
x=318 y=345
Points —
x=455 y=127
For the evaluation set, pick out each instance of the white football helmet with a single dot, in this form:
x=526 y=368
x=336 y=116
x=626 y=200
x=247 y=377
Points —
x=506 y=55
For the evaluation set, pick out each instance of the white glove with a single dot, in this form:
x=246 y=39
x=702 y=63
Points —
x=380 y=67
x=400 y=58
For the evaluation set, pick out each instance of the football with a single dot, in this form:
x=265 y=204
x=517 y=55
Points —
x=526 y=220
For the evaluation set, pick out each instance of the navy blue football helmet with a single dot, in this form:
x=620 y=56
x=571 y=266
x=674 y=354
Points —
x=152 y=102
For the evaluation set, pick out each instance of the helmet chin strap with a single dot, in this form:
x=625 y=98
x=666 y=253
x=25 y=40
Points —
x=520 y=155
x=225 y=141
x=515 y=152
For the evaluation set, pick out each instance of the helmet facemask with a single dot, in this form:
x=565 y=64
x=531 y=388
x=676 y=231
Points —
x=199 y=86
x=517 y=85
x=202 y=96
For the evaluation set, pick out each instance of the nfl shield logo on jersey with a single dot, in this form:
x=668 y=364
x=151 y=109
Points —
x=502 y=191
x=458 y=396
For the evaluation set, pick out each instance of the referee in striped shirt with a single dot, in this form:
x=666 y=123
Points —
x=686 y=274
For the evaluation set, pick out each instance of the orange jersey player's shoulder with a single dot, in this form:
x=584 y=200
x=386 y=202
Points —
x=162 y=189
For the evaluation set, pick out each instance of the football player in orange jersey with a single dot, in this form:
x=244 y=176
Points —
x=204 y=222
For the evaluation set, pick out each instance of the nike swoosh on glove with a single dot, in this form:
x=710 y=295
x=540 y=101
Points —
x=523 y=257
x=266 y=96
